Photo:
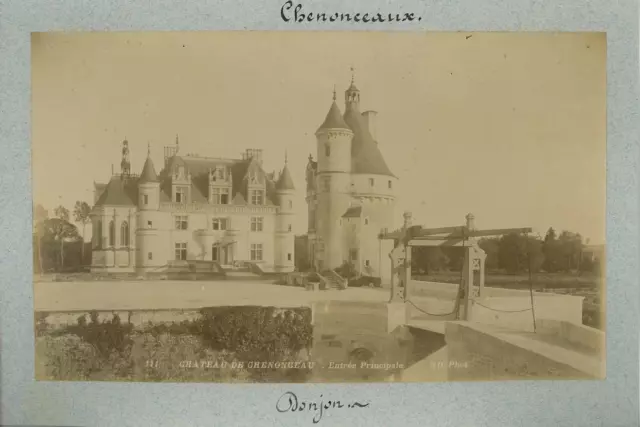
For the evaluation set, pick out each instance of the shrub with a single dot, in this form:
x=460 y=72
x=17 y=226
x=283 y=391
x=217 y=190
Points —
x=106 y=337
x=98 y=350
x=257 y=333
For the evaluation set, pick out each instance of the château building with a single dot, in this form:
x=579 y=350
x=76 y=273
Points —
x=350 y=192
x=195 y=209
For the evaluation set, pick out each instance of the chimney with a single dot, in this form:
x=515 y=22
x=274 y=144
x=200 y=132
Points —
x=371 y=122
x=253 y=153
x=471 y=222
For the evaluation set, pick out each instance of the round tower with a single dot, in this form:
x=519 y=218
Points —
x=372 y=186
x=147 y=239
x=284 y=238
x=333 y=186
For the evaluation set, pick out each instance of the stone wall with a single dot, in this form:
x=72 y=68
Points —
x=476 y=354
x=515 y=311
x=349 y=333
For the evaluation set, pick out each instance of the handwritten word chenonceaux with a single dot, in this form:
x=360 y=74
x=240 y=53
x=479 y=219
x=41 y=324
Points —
x=289 y=402
x=291 y=13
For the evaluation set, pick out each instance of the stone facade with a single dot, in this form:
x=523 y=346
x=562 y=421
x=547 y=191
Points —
x=350 y=193
x=196 y=209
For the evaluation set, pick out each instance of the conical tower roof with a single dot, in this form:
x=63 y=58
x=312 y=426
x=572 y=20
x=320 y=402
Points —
x=366 y=157
x=334 y=119
x=285 y=182
x=148 y=172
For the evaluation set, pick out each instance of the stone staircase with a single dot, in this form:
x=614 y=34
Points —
x=333 y=280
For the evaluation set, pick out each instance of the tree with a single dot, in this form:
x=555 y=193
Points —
x=61 y=230
x=551 y=251
x=570 y=249
x=490 y=246
x=518 y=253
x=81 y=214
x=428 y=259
x=455 y=257
x=534 y=253
x=40 y=214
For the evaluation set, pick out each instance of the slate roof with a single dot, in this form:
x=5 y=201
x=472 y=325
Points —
x=123 y=191
x=148 y=172
x=120 y=191
x=353 y=212
x=366 y=157
x=334 y=119
x=285 y=182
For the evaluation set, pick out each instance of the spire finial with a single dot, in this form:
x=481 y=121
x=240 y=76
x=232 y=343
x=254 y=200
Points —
x=177 y=140
x=148 y=149
x=334 y=92
x=286 y=157
x=353 y=75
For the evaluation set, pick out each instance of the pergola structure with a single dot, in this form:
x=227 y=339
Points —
x=464 y=236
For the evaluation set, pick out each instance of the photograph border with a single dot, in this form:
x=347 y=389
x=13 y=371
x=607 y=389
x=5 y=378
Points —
x=611 y=402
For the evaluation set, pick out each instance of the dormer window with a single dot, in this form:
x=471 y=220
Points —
x=389 y=184
x=220 y=196
x=181 y=195
x=219 y=173
x=257 y=197
x=371 y=182
x=254 y=178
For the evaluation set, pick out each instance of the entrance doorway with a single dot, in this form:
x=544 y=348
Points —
x=219 y=254
x=222 y=254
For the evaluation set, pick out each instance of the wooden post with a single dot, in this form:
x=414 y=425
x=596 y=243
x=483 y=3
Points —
x=396 y=265
x=483 y=258
x=406 y=268
x=406 y=272
x=467 y=284
x=468 y=269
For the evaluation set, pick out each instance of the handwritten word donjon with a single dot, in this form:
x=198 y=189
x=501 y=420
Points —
x=289 y=402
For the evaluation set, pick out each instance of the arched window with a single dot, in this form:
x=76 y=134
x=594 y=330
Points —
x=98 y=235
x=112 y=233
x=124 y=234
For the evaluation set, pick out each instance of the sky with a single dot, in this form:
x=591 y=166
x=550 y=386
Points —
x=508 y=126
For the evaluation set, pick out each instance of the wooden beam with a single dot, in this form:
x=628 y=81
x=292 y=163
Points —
x=439 y=242
x=498 y=232
x=455 y=233
x=441 y=230
x=477 y=233
x=398 y=234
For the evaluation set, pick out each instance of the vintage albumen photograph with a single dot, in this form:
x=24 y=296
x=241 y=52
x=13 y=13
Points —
x=314 y=207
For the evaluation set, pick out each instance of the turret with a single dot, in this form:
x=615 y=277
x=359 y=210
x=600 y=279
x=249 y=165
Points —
x=352 y=94
x=285 y=239
x=334 y=142
x=333 y=185
x=148 y=241
x=148 y=186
